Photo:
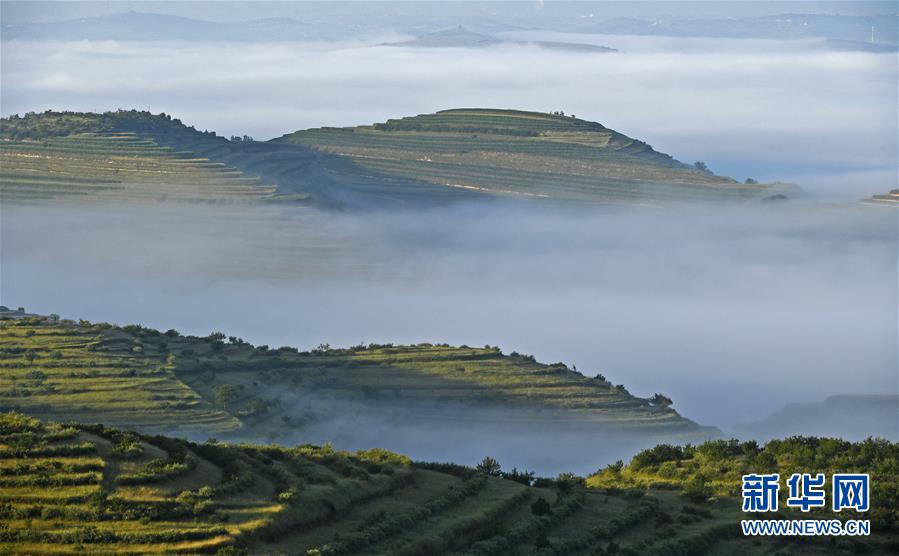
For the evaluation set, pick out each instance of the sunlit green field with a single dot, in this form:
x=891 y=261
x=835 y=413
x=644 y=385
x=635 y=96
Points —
x=68 y=372
x=68 y=489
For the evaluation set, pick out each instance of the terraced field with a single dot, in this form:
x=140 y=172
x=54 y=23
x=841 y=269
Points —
x=423 y=160
x=67 y=489
x=532 y=154
x=888 y=199
x=71 y=372
x=132 y=155
x=137 y=377
x=118 y=167
x=89 y=489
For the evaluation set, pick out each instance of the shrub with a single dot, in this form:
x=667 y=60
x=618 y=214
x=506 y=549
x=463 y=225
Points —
x=540 y=507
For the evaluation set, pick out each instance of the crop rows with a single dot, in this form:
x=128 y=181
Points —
x=137 y=377
x=116 y=167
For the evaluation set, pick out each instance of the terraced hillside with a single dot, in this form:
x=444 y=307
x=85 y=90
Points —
x=78 y=489
x=132 y=155
x=509 y=152
x=117 y=166
x=97 y=375
x=67 y=489
x=888 y=199
x=137 y=377
x=120 y=156
x=419 y=161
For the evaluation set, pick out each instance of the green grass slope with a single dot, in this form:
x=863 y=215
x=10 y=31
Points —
x=509 y=152
x=141 y=378
x=89 y=489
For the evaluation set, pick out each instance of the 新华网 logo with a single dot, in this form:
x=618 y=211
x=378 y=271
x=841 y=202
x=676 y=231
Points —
x=806 y=491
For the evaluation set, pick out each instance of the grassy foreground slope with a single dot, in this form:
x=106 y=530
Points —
x=90 y=489
x=522 y=153
x=137 y=377
x=715 y=468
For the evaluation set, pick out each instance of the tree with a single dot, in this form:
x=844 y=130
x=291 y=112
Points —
x=750 y=181
x=489 y=467
x=661 y=400
x=615 y=467
x=566 y=482
x=696 y=489
x=701 y=166
x=523 y=477
x=224 y=395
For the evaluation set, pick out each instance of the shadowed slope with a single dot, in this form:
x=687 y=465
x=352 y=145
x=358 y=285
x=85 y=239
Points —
x=531 y=154
x=132 y=155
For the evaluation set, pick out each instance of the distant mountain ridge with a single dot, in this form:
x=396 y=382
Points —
x=853 y=417
x=844 y=31
x=460 y=37
x=784 y=26
x=136 y=26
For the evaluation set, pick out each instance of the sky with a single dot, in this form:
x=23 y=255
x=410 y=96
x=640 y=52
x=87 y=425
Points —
x=31 y=11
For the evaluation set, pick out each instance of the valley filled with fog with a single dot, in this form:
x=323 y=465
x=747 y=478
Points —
x=731 y=311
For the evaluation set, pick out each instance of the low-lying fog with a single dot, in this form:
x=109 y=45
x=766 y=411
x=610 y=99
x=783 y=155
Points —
x=730 y=311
